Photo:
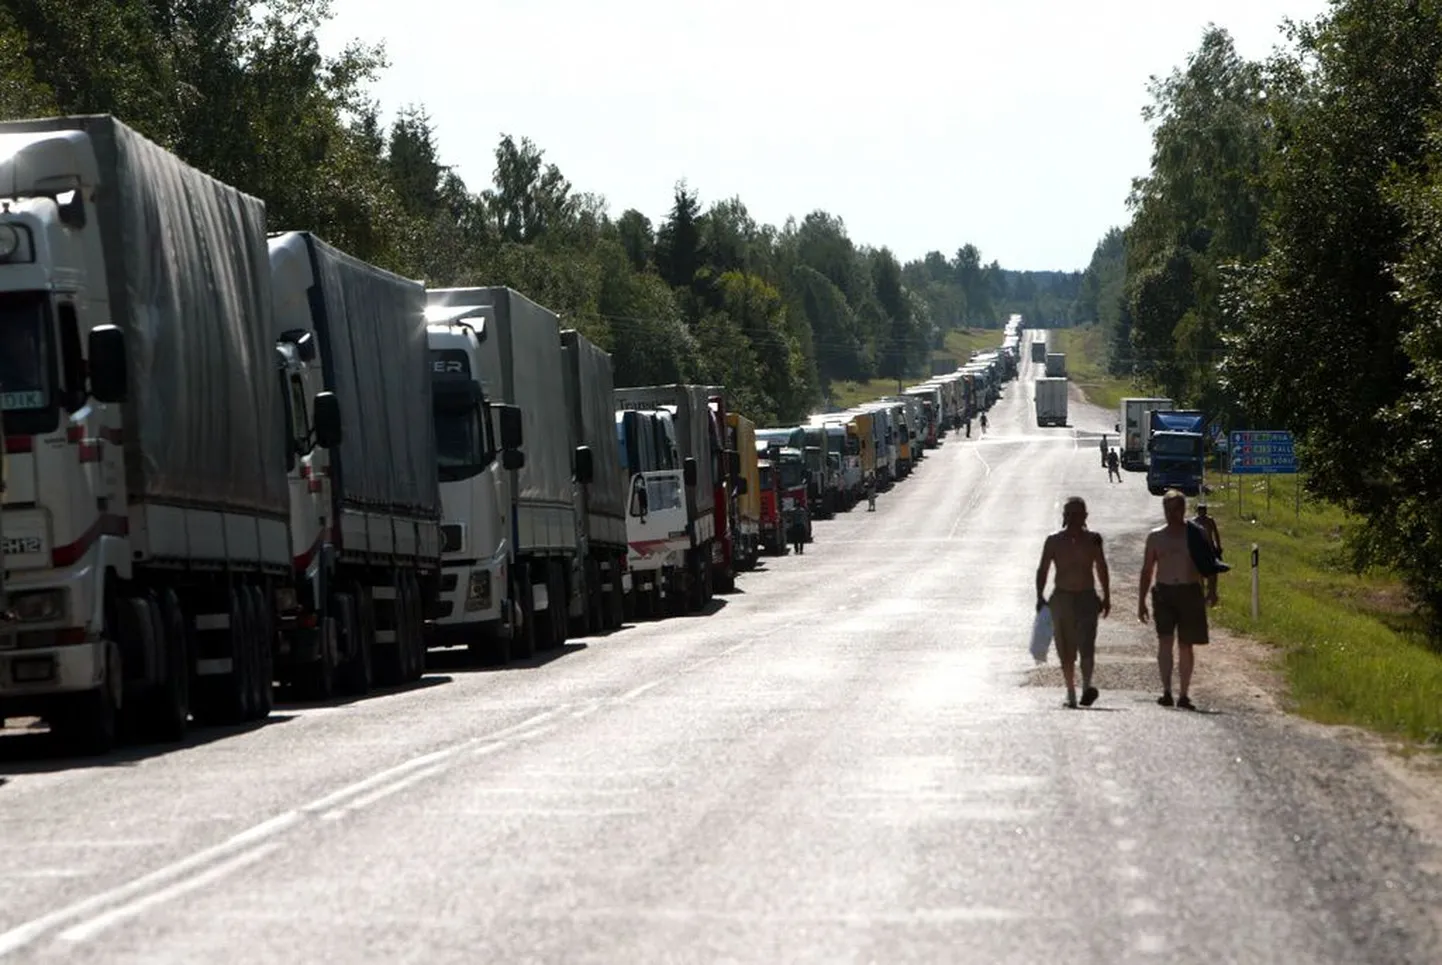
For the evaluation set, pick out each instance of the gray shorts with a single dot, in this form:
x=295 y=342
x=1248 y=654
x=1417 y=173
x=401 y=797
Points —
x=1180 y=609
x=1074 y=615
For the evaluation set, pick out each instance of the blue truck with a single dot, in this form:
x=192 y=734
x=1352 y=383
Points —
x=1176 y=454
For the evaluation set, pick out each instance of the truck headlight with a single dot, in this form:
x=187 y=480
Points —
x=40 y=606
x=15 y=243
x=478 y=592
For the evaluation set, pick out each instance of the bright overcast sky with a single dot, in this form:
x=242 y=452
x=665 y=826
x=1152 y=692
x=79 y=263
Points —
x=924 y=124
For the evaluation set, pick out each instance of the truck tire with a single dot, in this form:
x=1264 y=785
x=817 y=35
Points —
x=87 y=724
x=389 y=660
x=356 y=676
x=416 y=627
x=164 y=714
x=263 y=647
x=523 y=643
x=229 y=698
x=554 y=625
x=317 y=679
x=616 y=599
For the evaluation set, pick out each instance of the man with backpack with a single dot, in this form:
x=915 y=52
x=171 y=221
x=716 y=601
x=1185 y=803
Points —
x=1180 y=568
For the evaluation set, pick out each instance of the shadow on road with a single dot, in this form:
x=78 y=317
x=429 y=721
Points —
x=459 y=660
x=715 y=606
x=285 y=700
x=41 y=753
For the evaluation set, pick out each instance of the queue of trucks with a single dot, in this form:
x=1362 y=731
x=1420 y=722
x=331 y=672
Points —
x=235 y=460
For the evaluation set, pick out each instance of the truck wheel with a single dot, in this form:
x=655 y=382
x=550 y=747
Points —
x=389 y=659
x=355 y=677
x=523 y=644
x=263 y=649
x=88 y=724
x=164 y=715
x=416 y=626
x=556 y=606
x=616 y=607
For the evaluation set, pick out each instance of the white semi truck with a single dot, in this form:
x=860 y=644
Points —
x=365 y=507
x=146 y=520
x=520 y=365
x=1051 y=401
x=478 y=445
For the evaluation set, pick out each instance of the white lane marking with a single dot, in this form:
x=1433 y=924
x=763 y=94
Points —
x=635 y=692
x=93 y=926
x=382 y=792
x=27 y=932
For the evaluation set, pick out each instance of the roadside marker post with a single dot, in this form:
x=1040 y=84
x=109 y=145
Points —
x=1256 y=584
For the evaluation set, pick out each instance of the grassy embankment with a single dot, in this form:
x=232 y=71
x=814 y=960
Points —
x=1350 y=647
x=1085 y=350
x=959 y=346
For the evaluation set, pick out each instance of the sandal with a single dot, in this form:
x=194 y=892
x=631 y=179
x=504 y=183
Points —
x=1185 y=703
x=1165 y=700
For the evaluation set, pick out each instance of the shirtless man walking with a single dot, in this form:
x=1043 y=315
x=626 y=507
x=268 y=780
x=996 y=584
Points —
x=1076 y=551
x=1178 y=597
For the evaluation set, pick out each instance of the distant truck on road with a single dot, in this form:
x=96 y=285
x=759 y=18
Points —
x=1051 y=401
x=1038 y=351
x=1176 y=453
x=1056 y=365
x=1134 y=430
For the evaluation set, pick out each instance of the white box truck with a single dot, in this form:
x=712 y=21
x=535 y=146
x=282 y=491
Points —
x=1051 y=401
x=521 y=365
x=366 y=507
x=1135 y=429
x=1056 y=365
x=147 y=515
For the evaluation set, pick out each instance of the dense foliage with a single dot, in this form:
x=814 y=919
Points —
x=243 y=91
x=1283 y=264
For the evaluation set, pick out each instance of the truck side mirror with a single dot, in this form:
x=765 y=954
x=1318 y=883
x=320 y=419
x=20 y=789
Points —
x=1117 y=427
x=109 y=373
x=512 y=460
x=639 y=498
x=510 y=419
x=585 y=465
x=327 y=420
x=688 y=471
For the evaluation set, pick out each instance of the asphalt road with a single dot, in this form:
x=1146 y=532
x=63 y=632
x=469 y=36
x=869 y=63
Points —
x=848 y=760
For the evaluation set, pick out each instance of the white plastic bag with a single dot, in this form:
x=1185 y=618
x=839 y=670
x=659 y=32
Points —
x=1041 y=634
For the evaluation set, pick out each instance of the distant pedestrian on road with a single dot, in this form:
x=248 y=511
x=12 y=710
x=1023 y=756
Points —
x=1077 y=552
x=1104 y=450
x=871 y=495
x=983 y=423
x=1114 y=467
x=1209 y=526
x=1178 y=598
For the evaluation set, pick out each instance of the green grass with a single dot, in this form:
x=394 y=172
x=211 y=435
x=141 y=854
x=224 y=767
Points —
x=844 y=395
x=1352 y=650
x=1085 y=348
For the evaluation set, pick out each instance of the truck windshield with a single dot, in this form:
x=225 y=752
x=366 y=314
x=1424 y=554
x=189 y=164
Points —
x=766 y=481
x=461 y=441
x=1184 y=447
x=22 y=352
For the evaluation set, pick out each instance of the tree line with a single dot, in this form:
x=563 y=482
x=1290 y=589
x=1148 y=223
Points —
x=243 y=91
x=1283 y=262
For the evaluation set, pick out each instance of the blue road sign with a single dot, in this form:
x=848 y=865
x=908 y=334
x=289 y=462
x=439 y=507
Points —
x=1263 y=453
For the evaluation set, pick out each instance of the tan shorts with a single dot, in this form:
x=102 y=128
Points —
x=1074 y=623
x=1181 y=609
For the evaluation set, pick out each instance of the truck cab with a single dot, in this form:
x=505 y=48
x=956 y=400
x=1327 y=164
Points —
x=1176 y=451
x=476 y=441
x=656 y=516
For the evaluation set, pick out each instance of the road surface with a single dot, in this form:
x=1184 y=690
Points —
x=852 y=759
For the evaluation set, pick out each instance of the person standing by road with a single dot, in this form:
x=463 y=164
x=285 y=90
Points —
x=1104 y=450
x=1178 y=598
x=983 y=423
x=1113 y=465
x=1076 y=552
x=1209 y=526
